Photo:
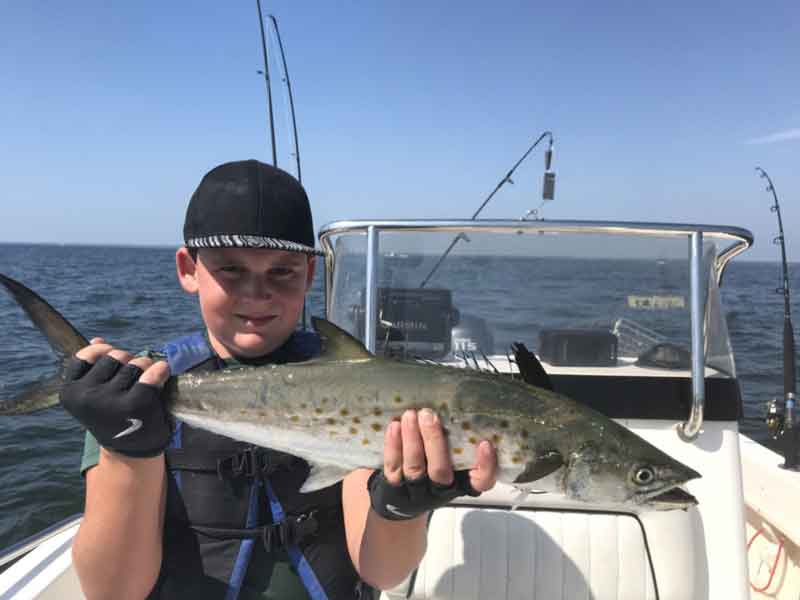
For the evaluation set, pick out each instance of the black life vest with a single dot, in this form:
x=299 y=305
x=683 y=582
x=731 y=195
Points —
x=230 y=503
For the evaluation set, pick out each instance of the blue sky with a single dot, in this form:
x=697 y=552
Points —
x=110 y=113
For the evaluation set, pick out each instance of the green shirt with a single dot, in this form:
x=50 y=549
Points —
x=284 y=584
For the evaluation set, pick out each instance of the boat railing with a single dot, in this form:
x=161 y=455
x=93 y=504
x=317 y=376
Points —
x=21 y=548
x=737 y=240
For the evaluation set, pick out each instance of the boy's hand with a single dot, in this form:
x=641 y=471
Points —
x=418 y=473
x=118 y=399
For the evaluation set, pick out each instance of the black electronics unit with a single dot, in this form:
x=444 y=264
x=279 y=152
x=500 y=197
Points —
x=412 y=322
x=578 y=347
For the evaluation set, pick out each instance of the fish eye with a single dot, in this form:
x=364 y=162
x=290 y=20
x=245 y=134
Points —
x=644 y=475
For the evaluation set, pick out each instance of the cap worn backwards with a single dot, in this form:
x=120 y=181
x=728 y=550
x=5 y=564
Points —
x=249 y=204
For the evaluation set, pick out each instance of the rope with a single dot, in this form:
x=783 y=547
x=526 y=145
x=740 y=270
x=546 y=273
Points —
x=774 y=564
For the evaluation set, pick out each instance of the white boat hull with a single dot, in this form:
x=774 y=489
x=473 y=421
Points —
x=553 y=549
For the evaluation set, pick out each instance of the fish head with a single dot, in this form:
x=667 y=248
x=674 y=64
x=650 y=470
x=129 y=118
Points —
x=631 y=473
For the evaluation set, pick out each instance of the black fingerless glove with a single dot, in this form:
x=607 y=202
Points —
x=124 y=415
x=412 y=498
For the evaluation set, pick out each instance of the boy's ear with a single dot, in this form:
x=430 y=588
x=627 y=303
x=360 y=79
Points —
x=187 y=270
x=312 y=263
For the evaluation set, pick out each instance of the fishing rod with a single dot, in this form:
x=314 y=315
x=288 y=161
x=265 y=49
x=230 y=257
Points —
x=790 y=432
x=265 y=73
x=548 y=192
x=288 y=83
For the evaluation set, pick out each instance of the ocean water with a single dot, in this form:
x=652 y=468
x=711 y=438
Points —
x=131 y=297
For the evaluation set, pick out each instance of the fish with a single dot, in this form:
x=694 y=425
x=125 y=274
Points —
x=332 y=411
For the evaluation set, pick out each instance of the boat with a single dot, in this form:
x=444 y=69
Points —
x=623 y=316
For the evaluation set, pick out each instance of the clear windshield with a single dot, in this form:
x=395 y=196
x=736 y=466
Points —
x=576 y=299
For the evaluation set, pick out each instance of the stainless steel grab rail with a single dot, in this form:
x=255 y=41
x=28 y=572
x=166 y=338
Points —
x=741 y=240
x=691 y=428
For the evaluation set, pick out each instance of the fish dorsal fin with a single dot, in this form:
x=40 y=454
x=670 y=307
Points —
x=530 y=368
x=337 y=344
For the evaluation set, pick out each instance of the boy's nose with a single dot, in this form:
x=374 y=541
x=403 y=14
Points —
x=256 y=287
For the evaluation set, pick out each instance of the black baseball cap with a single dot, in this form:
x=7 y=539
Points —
x=249 y=204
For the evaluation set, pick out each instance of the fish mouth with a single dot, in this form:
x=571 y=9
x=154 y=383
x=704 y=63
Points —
x=667 y=498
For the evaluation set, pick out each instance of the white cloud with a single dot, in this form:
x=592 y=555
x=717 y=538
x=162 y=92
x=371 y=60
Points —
x=781 y=136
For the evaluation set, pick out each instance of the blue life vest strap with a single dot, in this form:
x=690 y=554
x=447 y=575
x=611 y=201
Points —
x=307 y=576
x=177 y=442
x=186 y=352
x=191 y=350
x=183 y=353
x=245 y=549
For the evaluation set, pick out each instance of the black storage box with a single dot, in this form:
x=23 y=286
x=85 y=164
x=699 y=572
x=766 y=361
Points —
x=578 y=347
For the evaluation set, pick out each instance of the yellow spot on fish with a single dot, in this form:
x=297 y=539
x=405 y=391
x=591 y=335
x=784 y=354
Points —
x=303 y=405
x=473 y=440
x=466 y=426
x=318 y=410
x=457 y=450
x=324 y=400
x=377 y=427
x=377 y=411
x=331 y=421
x=516 y=459
x=353 y=431
x=443 y=406
x=294 y=418
x=398 y=399
x=365 y=441
x=357 y=420
x=496 y=439
x=344 y=412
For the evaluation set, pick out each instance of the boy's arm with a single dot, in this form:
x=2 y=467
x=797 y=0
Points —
x=384 y=552
x=117 y=551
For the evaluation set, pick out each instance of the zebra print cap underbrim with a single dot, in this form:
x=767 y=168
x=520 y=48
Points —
x=250 y=241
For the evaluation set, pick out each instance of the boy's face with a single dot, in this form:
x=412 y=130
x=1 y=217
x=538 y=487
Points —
x=251 y=299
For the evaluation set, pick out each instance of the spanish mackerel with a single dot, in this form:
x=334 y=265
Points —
x=333 y=410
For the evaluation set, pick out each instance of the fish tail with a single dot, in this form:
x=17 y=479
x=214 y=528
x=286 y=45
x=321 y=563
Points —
x=63 y=338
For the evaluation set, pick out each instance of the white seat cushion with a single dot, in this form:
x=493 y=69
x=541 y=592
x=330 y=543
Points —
x=493 y=554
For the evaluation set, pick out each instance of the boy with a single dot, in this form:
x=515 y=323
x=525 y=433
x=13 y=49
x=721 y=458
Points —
x=176 y=512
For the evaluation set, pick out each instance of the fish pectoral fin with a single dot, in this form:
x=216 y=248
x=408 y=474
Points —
x=322 y=476
x=337 y=344
x=543 y=465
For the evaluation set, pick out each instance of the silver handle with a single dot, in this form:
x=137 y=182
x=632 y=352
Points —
x=691 y=428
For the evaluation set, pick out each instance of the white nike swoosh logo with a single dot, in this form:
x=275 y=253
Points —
x=136 y=424
x=393 y=509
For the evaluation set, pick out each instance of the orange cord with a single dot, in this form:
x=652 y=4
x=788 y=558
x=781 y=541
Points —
x=774 y=565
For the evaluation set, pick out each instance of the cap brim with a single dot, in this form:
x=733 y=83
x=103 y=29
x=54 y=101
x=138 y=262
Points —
x=250 y=241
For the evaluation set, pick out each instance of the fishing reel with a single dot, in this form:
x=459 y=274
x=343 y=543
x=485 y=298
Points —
x=774 y=419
